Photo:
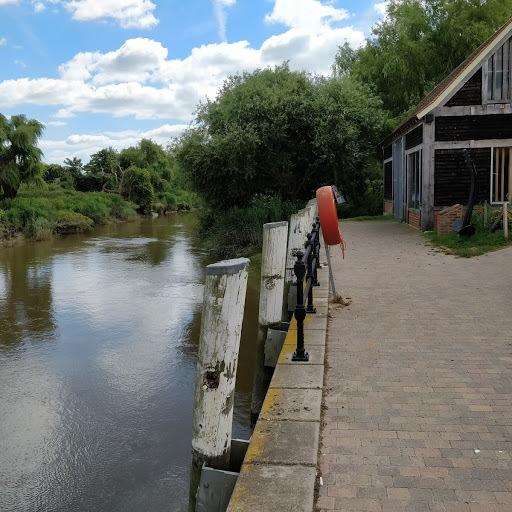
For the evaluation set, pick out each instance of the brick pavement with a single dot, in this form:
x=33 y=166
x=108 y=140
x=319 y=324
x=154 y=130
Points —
x=418 y=386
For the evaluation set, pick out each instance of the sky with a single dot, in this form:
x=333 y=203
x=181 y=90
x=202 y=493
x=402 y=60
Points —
x=101 y=73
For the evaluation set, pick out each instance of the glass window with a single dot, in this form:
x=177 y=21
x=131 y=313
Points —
x=414 y=173
x=501 y=175
x=499 y=86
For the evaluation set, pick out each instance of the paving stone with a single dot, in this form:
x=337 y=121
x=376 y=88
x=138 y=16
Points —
x=269 y=488
x=298 y=376
x=292 y=404
x=418 y=394
x=284 y=443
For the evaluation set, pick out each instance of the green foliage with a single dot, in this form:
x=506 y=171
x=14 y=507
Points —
x=19 y=155
x=240 y=230
x=418 y=44
x=484 y=217
x=138 y=188
x=484 y=241
x=283 y=133
x=40 y=213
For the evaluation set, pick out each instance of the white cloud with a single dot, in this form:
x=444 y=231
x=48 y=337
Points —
x=3 y=41
x=8 y=2
x=139 y=80
x=128 y=13
x=56 y=123
x=382 y=7
x=83 y=145
x=305 y=14
x=220 y=7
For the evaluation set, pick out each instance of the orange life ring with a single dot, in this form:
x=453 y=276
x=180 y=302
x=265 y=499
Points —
x=328 y=213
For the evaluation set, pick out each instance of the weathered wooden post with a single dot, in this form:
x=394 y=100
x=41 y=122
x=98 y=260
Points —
x=221 y=328
x=273 y=267
x=505 y=221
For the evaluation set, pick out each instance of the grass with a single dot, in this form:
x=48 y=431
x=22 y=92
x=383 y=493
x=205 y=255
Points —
x=40 y=212
x=239 y=231
x=364 y=218
x=483 y=242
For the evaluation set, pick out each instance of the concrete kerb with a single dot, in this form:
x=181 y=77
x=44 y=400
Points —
x=280 y=468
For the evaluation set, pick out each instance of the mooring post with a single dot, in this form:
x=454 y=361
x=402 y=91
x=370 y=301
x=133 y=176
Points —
x=300 y=354
x=505 y=221
x=219 y=343
x=273 y=268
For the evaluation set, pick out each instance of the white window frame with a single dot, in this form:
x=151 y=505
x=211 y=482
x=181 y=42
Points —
x=408 y=153
x=487 y=91
x=493 y=148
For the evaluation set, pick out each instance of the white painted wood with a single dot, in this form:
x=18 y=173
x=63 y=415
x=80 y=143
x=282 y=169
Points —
x=428 y=163
x=221 y=327
x=482 y=144
x=415 y=149
x=475 y=110
x=272 y=284
x=296 y=240
x=273 y=265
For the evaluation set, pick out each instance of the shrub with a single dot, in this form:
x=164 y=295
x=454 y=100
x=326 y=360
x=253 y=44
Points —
x=239 y=230
x=71 y=222
x=137 y=187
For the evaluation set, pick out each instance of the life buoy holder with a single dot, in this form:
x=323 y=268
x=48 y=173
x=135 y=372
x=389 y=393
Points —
x=328 y=214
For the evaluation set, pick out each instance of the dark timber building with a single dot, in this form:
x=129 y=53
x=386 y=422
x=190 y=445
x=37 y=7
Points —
x=424 y=169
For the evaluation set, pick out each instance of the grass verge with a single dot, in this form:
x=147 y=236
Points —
x=482 y=243
x=364 y=218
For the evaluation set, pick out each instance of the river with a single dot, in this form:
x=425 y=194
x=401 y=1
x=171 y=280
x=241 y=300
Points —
x=98 y=342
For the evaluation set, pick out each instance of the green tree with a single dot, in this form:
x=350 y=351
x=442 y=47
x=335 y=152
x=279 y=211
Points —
x=137 y=187
x=419 y=43
x=104 y=170
x=281 y=133
x=20 y=157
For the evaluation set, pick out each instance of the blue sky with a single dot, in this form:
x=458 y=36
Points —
x=107 y=72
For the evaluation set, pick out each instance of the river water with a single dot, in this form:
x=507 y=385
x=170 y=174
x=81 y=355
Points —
x=98 y=342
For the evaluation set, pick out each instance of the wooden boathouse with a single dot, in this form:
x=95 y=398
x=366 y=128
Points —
x=423 y=160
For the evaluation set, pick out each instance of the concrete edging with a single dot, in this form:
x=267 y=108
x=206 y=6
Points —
x=279 y=472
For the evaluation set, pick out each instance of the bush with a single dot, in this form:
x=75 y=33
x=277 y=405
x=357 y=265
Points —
x=137 y=187
x=72 y=222
x=40 y=212
x=239 y=230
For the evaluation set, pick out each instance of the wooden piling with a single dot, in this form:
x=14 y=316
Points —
x=221 y=328
x=273 y=266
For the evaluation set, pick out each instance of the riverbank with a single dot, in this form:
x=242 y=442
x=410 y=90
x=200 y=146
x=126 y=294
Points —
x=41 y=213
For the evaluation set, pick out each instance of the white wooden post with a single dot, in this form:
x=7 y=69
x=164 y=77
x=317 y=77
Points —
x=505 y=221
x=296 y=240
x=273 y=267
x=221 y=328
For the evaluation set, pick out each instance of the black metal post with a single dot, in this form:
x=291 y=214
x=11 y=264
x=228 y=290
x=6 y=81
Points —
x=317 y=253
x=311 y=278
x=300 y=354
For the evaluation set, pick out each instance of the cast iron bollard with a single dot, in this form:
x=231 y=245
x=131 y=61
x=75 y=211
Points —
x=300 y=311
x=309 y=271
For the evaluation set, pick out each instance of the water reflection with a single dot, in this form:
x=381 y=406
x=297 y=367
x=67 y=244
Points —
x=97 y=365
x=26 y=305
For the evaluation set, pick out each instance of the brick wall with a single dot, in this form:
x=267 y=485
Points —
x=414 y=218
x=388 y=207
x=445 y=218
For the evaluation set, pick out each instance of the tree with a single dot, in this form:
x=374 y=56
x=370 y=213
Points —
x=137 y=187
x=20 y=158
x=281 y=133
x=105 y=170
x=419 y=43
